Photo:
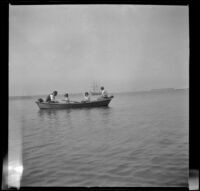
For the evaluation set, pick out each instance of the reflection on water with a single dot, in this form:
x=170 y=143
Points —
x=47 y=113
x=54 y=113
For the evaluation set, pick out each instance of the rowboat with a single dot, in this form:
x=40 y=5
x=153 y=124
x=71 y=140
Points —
x=96 y=103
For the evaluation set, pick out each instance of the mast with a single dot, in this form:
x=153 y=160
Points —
x=95 y=86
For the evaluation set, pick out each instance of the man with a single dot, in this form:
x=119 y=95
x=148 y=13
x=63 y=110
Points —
x=103 y=93
x=51 y=97
x=86 y=97
x=66 y=98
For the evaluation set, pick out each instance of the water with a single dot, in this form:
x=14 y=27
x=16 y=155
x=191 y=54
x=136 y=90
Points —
x=141 y=139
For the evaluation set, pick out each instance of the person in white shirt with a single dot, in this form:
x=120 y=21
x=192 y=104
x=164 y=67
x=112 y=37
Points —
x=103 y=93
x=86 y=97
x=66 y=98
x=51 y=97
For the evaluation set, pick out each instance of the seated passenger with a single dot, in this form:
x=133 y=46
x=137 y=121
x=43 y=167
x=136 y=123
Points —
x=51 y=97
x=103 y=93
x=86 y=97
x=66 y=98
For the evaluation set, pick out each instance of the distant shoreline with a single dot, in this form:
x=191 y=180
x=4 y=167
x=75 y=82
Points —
x=135 y=91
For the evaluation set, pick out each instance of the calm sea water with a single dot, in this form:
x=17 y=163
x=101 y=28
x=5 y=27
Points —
x=141 y=139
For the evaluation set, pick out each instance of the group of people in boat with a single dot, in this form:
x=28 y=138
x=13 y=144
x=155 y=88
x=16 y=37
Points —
x=51 y=97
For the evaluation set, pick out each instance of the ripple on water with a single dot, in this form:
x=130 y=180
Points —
x=141 y=140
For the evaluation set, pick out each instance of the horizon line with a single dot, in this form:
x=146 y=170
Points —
x=142 y=90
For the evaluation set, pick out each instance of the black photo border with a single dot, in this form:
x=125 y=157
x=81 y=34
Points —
x=4 y=43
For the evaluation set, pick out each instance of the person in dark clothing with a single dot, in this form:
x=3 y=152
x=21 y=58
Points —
x=51 y=97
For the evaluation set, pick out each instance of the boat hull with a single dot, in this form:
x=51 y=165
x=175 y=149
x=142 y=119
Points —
x=98 y=103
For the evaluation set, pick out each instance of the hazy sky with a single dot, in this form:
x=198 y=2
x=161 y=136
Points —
x=123 y=47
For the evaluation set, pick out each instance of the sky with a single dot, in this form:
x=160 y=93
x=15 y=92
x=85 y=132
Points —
x=122 y=47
